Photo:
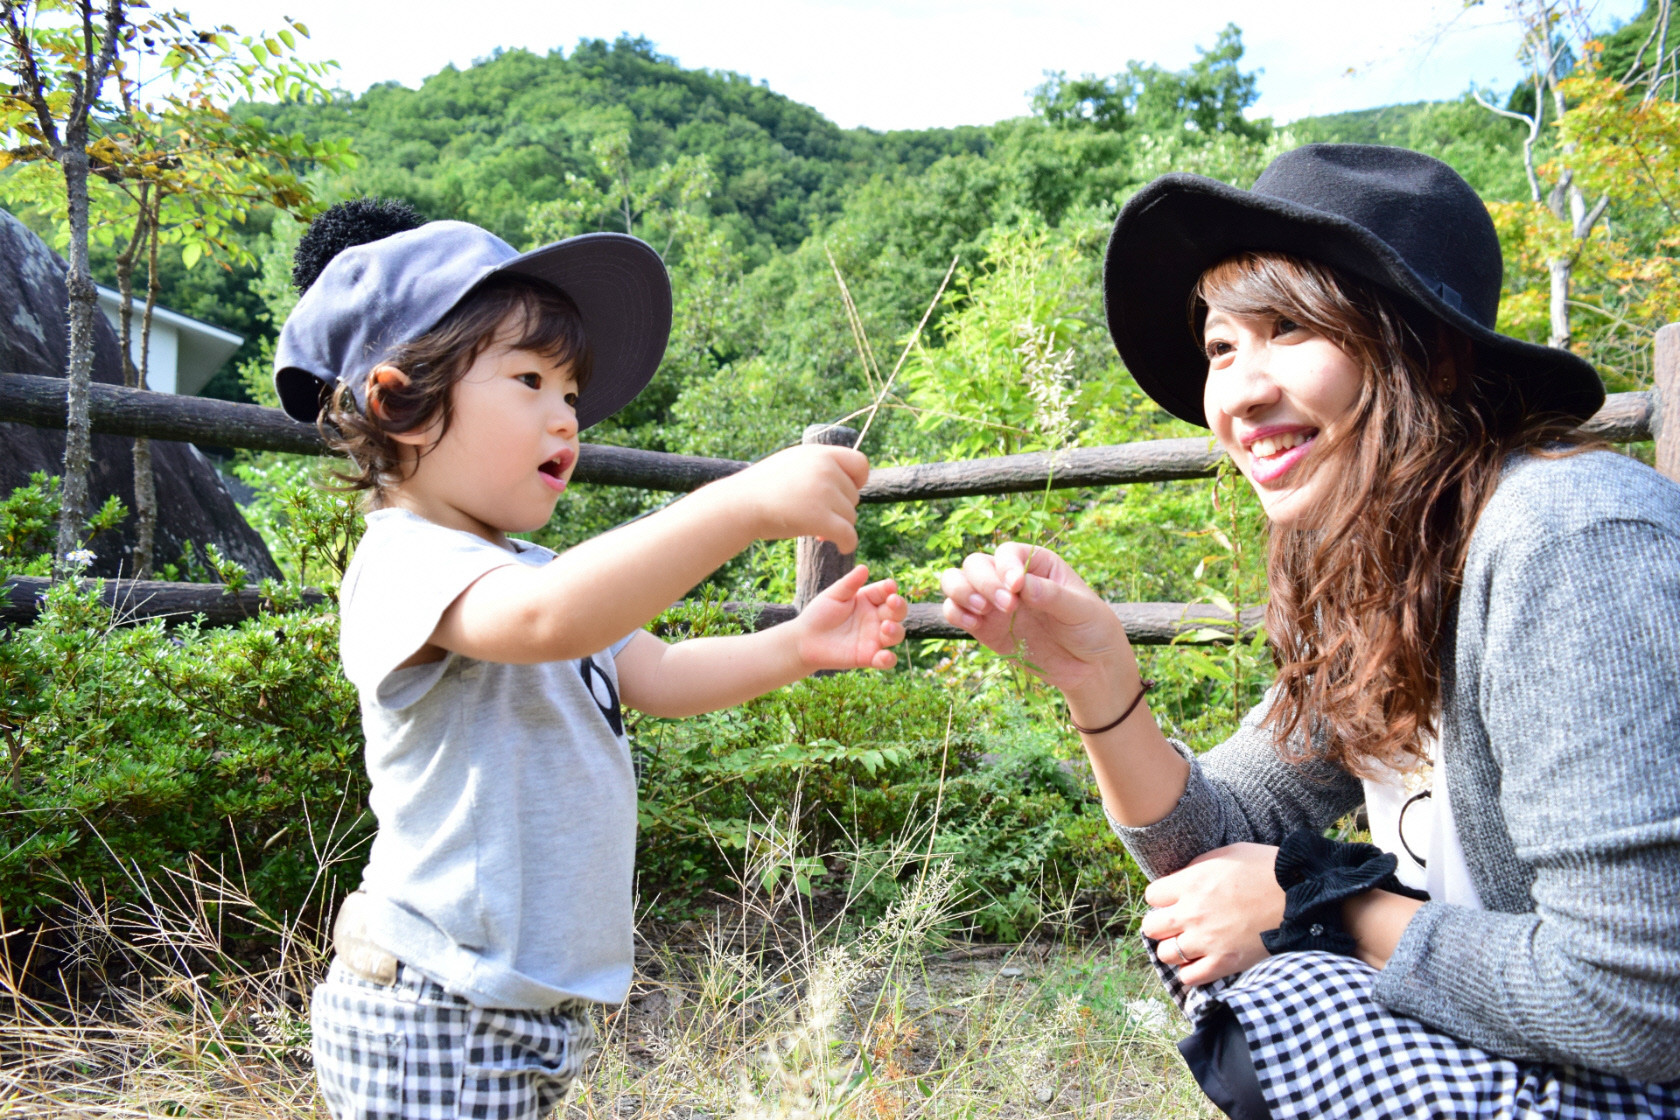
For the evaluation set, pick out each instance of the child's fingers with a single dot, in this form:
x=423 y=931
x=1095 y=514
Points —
x=879 y=592
x=885 y=659
x=849 y=584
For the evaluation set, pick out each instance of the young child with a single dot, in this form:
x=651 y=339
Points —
x=496 y=903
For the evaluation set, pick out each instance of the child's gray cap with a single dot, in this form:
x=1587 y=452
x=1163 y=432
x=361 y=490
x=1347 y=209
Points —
x=372 y=298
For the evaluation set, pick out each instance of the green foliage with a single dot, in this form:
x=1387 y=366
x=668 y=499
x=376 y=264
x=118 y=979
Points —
x=1207 y=98
x=138 y=747
x=840 y=770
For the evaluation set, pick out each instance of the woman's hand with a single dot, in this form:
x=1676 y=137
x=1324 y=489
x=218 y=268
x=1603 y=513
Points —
x=1026 y=600
x=1213 y=912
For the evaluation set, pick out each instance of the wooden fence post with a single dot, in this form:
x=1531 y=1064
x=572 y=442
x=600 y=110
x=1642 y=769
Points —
x=1665 y=367
x=821 y=563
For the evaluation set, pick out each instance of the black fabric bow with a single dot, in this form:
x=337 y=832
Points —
x=1317 y=875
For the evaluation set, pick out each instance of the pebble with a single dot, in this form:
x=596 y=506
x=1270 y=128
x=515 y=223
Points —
x=1011 y=972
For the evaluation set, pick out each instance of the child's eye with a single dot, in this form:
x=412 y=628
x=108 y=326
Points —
x=572 y=399
x=534 y=380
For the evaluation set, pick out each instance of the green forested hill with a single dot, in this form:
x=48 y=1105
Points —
x=483 y=143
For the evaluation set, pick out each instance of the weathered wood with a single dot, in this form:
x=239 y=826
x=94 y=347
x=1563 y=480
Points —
x=1626 y=417
x=819 y=563
x=1147 y=624
x=134 y=412
x=39 y=401
x=1665 y=369
x=139 y=600
x=1160 y=460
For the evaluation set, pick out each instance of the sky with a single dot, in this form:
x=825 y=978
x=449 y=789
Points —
x=888 y=64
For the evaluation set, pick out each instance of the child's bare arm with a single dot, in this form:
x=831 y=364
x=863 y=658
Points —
x=605 y=587
x=849 y=626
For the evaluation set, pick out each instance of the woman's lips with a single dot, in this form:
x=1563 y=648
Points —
x=1270 y=469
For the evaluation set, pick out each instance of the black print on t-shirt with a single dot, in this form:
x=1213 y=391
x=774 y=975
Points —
x=601 y=689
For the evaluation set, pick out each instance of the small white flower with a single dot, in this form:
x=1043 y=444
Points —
x=81 y=557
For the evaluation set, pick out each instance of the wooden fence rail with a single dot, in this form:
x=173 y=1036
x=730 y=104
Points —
x=39 y=401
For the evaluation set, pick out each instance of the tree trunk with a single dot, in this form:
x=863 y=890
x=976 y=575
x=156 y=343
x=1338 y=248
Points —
x=73 y=509
x=1560 y=270
x=145 y=484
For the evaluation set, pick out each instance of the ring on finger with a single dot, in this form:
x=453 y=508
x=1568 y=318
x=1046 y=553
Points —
x=1178 y=951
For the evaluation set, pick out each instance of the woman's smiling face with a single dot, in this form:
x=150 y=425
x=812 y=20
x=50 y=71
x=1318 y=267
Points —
x=1274 y=390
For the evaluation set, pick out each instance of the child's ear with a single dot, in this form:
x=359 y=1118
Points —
x=385 y=379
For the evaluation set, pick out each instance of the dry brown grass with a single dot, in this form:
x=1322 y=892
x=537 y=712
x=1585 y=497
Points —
x=762 y=1014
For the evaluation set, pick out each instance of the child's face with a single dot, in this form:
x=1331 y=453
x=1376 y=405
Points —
x=1273 y=389
x=509 y=452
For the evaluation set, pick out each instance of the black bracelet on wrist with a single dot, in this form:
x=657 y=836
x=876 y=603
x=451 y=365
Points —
x=1130 y=708
x=1317 y=875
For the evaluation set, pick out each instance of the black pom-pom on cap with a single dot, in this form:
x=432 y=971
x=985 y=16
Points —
x=343 y=225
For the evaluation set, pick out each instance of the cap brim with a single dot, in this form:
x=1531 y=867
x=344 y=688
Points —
x=1180 y=225
x=623 y=295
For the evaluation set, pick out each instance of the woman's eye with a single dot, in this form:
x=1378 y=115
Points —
x=1217 y=348
x=1287 y=326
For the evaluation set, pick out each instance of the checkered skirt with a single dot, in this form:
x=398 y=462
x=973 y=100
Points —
x=412 y=1051
x=1322 y=1046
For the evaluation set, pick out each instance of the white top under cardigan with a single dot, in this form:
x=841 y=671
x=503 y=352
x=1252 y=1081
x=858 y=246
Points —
x=1444 y=876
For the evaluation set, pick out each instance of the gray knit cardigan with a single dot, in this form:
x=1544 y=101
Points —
x=1560 y=734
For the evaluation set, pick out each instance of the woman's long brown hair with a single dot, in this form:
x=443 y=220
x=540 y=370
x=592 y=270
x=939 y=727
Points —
x=1361 y=597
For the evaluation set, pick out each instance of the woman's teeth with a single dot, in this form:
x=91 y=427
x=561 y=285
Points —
x=1272 y=445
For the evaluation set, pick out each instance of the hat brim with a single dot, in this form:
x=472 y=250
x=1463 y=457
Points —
x=1180 y=225
x=623 y=295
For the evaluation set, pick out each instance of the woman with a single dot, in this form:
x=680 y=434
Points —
x=1457 y=580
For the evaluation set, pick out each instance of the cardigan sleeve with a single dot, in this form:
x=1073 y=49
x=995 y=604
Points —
x=1578 y=689
x=1241 y=790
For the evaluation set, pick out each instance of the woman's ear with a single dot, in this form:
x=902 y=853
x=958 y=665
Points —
x=1455 y=357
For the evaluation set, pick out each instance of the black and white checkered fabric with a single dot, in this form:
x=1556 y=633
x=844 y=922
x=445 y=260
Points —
x=1322 y=1046
x=412 y=1051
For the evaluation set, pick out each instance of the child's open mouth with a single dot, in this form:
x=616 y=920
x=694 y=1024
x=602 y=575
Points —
x=554 y=471
x=1273 y=456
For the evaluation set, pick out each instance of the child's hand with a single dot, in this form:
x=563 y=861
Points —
x=851 y=624
x=805 y=491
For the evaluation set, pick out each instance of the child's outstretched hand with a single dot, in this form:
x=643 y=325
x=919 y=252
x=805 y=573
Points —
x=851 y=624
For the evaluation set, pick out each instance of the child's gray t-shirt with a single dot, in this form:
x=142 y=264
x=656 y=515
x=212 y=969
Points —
x=505 y=796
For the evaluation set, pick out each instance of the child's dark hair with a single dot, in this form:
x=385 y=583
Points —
x=520 y=312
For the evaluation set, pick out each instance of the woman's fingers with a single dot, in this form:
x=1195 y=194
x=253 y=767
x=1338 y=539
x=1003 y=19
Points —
x=986 y=585
x=961 y=596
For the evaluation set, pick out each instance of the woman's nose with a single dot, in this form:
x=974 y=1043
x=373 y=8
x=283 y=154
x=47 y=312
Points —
x=1243 y=385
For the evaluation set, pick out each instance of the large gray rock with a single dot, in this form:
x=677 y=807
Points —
x=192 y=503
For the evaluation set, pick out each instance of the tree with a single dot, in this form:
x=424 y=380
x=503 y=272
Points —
x=59 y=60
x=177 y=166
x=1554 y=34
x=1208 y=97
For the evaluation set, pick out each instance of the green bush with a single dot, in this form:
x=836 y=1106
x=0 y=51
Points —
x=842 y=770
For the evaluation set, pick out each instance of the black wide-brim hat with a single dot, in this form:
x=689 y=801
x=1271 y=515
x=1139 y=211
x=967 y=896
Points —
x=373 y=297
x=1399 y=219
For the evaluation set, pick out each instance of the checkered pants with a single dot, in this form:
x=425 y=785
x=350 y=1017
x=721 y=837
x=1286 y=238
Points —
x=1322 y=1046
x=412 y=1051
